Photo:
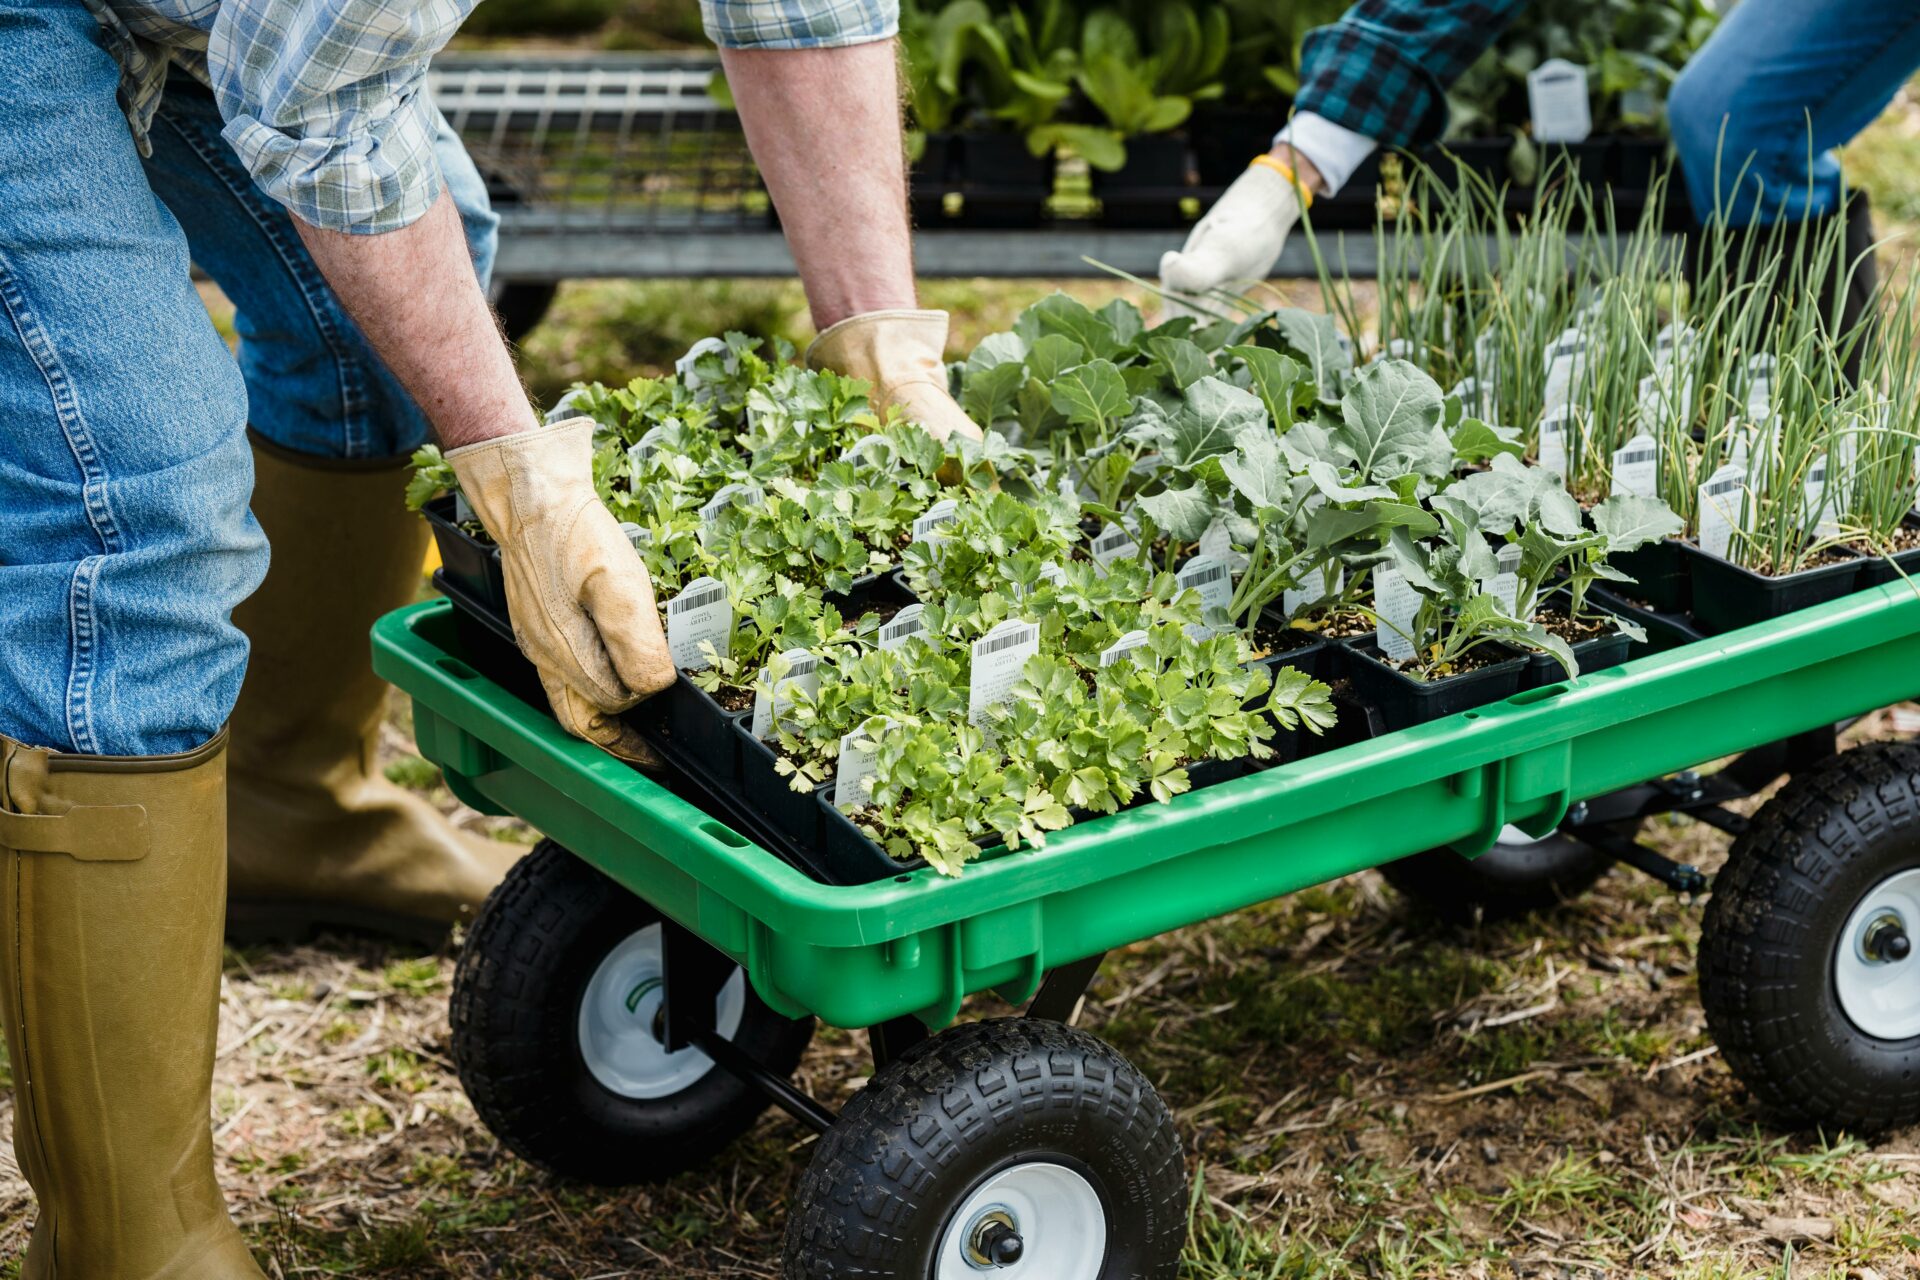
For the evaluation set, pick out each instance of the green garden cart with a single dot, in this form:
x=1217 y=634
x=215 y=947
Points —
x=642 y=986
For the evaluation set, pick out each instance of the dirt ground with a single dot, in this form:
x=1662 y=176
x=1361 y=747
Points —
x=1363 y=1092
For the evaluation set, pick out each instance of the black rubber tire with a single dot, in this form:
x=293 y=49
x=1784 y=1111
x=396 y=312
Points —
x=964 y=1105
x=1771 y=930
x=1504 y=883
x=515 y=1010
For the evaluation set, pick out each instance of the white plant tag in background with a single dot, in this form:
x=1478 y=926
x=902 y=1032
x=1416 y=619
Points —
x=1467 y=392
x=875 y=448
x=1557 y=100
x=1673 y=343
x=1486 y=360
x=720 y=501
x=997 y=659
x=1398 y=605
x=803 y=673
x=855 y=767
x=1721 y=506
x=1120 y=648
x=1552 y=442
x=1504 y=585
x=700 y=613
x=462 y=512
x=1312 y=590
x=1818 y=509
x=636 y=536
x=926 y=525
x=1399 y=349
x=1053 y=573
x=1566 y=364
x=1218 y=543
x=644 y=448
x=1211 y=578
x=902 y=627
x=563 y=407
x=1636 y=467
x=1111 y=543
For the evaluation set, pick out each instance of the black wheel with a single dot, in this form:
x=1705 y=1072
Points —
x=1016 y=1149
x=556 y=1005
x=1516 y=877
x=1806 y=965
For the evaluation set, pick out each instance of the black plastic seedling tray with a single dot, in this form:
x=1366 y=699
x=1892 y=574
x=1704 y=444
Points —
x=1727 y=597
x=1402 y=702
x=1659 y=573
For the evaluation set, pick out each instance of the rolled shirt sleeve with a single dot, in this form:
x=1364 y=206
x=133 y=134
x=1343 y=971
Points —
x=325 y=104
x=1383 y=70
x=798 y=24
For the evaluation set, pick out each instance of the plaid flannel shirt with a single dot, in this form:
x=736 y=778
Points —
x=1383 y=70
x=325 y=100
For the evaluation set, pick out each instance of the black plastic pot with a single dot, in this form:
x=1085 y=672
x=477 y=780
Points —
x=487 y=639
x=845 y=849
x=1401 y=701
x=1596 y=654
x=472 y=565
x=1877 y=571
x=1002 y=184
x=931 y=177
x=1147 y=190
x=888 y=587
x=1727 y=597
x=1664 y=630
x=1226 y=139
x=693 y=728
x=793 y=813
x=1313 y=656
x=1659 y=573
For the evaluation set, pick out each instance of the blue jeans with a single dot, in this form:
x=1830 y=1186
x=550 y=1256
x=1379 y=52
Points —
x=1785 y=79
x=125 y=538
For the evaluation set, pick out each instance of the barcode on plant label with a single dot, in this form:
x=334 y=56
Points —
x=1566 y=358
x=1552 y=443
x=1313 y=589
x=726 y=497
x=902 y=627
x=771 y=704
x=699 y=615
x=1504 y=585
x=878 y=447
x=1817 y=508
x=853 y=771
x=1397 y=605
x=1120 y=648
x=927 y=522
x=1111 y=543
x=998 y=657
x=1720 y=509
x=636 y=536
x=1056 y=574
x=645 y=447
x=563 y=407
x=1636 y=467
x=1212 y=580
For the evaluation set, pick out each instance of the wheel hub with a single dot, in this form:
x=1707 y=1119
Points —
x=623 y=1018
x=1876 y=978
x=1034 y=1221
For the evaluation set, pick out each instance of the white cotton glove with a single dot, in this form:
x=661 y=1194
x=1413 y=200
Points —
x=903 y=354
x=581 y=601
x=1235 y=246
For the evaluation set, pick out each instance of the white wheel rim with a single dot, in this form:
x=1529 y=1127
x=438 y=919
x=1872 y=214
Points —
x=619 y=1014
x=1056 y=1212
x=1879 y=996
x=1512 y=837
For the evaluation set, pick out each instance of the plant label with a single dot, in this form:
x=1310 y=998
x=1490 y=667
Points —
x=1397 y=605
x=771 y=704
x=1818 y=509
x=1467 y=393
x=1054 y=573
x=902 y=627
x=1672 y=345
x=1552 y=442
x=853 y=772
x=1721 y=509
x=1120 y=648
x=1566 y=364
x=1312 y=590
x=1557 y=100
x=1486 y=360
x=1399 y=349
x=563 y=407
x=1217 y=542
x=462 y=512
x=876 y=450
x=720 y=501
x=1214 y=582
x=1504 y=586
x=998 y=657
x=927 y=524
x=1111 y=543
x=699 y=615
x=1636 y=467
x=636 y=536
x=644 y=448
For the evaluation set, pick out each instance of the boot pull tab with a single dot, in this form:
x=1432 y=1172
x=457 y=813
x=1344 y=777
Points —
x=87 y=832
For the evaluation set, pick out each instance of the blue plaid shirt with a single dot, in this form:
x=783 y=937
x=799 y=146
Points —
x=1383 y=70
x=325 y=100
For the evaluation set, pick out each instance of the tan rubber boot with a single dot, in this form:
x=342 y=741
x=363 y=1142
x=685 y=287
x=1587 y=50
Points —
x=112 y=870
x=317 y=837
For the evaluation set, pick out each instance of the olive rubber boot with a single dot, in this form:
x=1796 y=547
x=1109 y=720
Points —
x=317 y=836
x=112 y=870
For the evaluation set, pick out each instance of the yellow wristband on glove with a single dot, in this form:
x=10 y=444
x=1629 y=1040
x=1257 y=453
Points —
x=1285 y=170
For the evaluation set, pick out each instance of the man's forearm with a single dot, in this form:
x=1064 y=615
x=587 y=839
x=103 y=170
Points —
x=413 y=292
x=824 y=125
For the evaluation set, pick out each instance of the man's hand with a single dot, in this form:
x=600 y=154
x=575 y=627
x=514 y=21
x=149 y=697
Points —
x=581 y=601
x=903 y=354
x=1235 y=246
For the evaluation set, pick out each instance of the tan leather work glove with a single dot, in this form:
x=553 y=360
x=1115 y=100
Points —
x=903 y=354
x=581 y=600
